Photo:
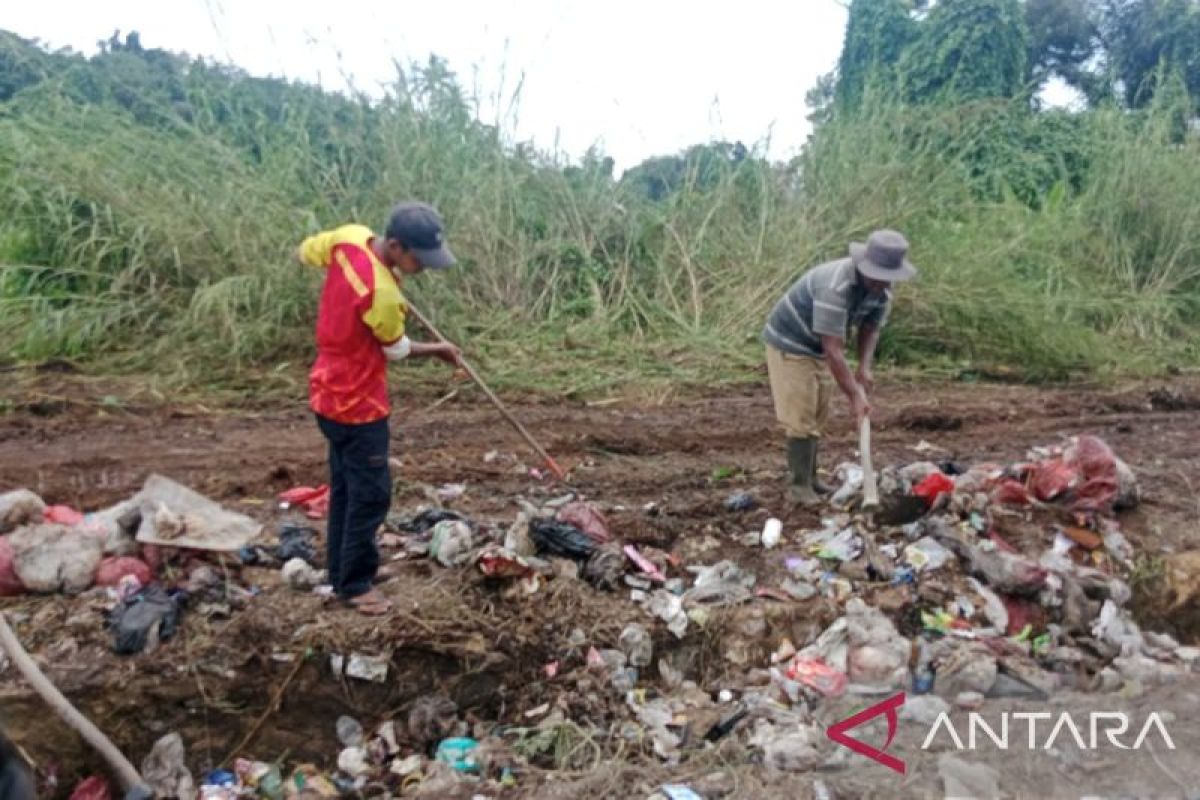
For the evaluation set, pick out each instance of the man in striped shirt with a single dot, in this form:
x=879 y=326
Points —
x=806 y=334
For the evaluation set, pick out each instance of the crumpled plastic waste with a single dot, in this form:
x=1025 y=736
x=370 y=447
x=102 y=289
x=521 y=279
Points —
x=10 y=584
x=561 y=539
x=296 y=541
x=112 y=570
x=605 y=567
x=93 y=788
x=460 y=753
x=669 y=608
x=62 y=515
x=647 y=567
x=425 y=520
x=926 y=555
x=851 y=477
x=299 y=575
x=636 y=644
x=361 y=667
x=1085 y=475
x=314 y=500
x=841 y=545
x=52 y=558
x=815 y=673
x=933 y=488
x=451 y=542
x=586 y=518
x=740 y=501
x=19 y=507
x=145 y=619
x=165 y=770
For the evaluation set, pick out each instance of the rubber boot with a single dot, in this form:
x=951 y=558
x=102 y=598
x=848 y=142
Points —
x=818 y=487
x=802 y=455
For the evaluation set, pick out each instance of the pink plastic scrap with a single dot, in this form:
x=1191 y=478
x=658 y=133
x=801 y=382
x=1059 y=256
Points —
x=651 y=571
x=815 y=673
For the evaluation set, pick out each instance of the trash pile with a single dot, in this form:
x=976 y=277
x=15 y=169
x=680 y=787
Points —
x=116 y=556
x=968 y=583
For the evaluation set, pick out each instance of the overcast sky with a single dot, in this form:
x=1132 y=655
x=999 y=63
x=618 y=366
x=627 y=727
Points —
x=637 y=78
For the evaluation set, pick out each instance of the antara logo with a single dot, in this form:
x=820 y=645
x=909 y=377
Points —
x=837 y=732
x=1113 y=724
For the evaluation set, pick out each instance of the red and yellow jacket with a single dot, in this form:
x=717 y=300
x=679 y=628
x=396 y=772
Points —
x=361 y=312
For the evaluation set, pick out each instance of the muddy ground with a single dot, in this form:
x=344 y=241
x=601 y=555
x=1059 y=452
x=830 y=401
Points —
x=458 y=633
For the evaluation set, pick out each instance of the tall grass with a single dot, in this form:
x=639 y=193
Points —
x=156 y=235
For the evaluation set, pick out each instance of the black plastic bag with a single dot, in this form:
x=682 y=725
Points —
x=424 y=521
x=150 y=610
x=296 y=541
x=561 y=539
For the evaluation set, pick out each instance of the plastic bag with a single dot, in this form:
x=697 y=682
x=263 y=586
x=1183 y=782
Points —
x=586 y=518
x=561 y=539
x=296 y=541
x=112 y=570
x=19 y=507
x=815 y=673
x=314 y=501
x=10 y=584
x=148 y=617
x=933 y=487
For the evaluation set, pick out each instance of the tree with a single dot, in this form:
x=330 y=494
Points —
x=968 y=50
x=1144 y=35
x=1064 y=41
x=877 y=33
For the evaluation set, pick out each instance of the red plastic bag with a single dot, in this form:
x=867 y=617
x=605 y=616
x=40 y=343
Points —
x=1096 y=465
x=94 y=788
x=1053 y=478
x=587 y=519
x=1011 y=492
x=63 y=515
x=10 y=584
x=933 y=487
x=314 y=501
x=111 y=570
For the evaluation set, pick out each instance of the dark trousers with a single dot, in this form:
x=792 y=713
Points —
x=360 y=493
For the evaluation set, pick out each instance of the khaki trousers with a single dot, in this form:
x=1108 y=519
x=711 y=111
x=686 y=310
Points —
x=801 y=388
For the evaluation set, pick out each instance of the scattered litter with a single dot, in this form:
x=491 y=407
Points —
x=817 y=674
x=296 y=541
x=19 y=507
x=361 y=667
x=300 y=576
x=926 y=555
x=112 y=570
x=144 y=620
x=561 y=539
x=451 y=542
x=349 y=731
x=51 y=558
x=771 y=533
x=165 y=771
x=740 y=501
x=644 y=564
x=460 y=753
x=586 y=518
x=636 y=644
x=851 y=477
x=175 y=516
x=964 y=779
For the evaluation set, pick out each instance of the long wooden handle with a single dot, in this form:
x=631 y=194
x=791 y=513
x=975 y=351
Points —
x=504 y=412
x=129 y=777
x=870 y=490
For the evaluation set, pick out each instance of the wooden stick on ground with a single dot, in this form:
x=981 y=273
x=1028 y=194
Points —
x=870 y=490
x=550 y=462
x=129 y=777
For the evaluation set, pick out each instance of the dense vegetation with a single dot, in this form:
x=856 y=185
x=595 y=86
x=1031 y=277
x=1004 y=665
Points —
x=149 y=204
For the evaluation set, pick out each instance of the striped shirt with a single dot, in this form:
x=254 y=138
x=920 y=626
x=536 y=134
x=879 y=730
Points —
x=827 y=301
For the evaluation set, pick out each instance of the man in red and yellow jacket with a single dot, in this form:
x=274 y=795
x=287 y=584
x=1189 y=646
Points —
x=360 y=328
